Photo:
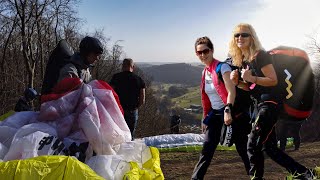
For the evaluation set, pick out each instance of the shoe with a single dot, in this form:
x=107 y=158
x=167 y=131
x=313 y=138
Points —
x=310 y=174
x=256 y=178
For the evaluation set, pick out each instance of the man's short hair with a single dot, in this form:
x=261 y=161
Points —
x=127 y=62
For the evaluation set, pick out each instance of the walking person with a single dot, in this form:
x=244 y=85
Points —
x=131 y=91
x=289 y=128
x=260 y=78
x=175 y=121
x=217 y=99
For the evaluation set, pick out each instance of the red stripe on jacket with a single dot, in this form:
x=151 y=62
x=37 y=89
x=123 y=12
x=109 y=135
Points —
x=219 y=86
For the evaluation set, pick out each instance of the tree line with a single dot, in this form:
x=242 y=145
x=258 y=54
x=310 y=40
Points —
x=29 y=31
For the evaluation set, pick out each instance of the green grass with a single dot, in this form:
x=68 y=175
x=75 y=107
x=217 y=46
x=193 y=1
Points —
x=192 y=97
x=294 y=176
x=163 y=88
x=199 y=147
x=194 y=148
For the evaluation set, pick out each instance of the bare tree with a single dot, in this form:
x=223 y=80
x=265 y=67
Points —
x=309 y=131
x=29 y=30
x=110 y=61
x=153 y=120
x=314 y=45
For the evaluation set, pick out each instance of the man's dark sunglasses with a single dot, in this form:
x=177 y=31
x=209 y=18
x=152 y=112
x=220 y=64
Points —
x=206 y=51
x=242 y=35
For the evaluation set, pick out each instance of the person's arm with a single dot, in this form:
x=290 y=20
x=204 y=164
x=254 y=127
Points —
x=68 y=71
x=112 y=82
x=268 y=71
x=263 y=62
x=142 y=97
x=231 y=96
x=234 y=77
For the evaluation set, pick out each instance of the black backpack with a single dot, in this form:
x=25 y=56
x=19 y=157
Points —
x=243 y=100
x=58 y=58
x=295 y=81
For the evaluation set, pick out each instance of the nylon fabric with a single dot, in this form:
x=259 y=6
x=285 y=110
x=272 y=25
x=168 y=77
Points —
x=49 y=168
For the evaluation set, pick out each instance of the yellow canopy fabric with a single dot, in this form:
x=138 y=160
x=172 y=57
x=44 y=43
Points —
x=4 y=116
x=47 y=168
x=150 y=169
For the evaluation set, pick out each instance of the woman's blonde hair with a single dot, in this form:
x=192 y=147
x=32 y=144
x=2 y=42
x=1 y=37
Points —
x=236 y=53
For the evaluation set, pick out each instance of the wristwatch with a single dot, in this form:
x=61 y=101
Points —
x=227 y=110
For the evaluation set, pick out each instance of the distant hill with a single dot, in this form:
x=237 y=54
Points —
x=151 y=63
x=177 y=73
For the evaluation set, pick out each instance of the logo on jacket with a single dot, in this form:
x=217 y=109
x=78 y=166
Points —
x=287 y=80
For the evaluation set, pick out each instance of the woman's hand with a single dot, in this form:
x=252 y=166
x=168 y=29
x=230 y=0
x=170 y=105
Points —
x=227 y=118
x=203 y=127
x=246 y=75
x=234 y=77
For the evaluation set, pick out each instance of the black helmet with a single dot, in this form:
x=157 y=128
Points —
x=30 y=94
x=90 y=44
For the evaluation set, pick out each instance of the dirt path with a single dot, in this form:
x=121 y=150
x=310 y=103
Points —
x=228 y=165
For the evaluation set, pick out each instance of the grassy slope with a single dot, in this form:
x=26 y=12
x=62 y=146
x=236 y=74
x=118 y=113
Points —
x=184 y=101
x=192 y=97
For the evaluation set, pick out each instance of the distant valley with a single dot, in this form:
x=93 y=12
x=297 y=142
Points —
x=175 y=73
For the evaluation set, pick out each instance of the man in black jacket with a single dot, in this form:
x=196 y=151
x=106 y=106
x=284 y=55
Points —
x=131 y=91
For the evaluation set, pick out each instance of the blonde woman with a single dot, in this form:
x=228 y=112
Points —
x=258 y=75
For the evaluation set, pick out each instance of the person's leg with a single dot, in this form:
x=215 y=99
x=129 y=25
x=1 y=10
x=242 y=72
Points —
x=131 y=117
x=282 y=134
x=135 y=121
x=241 y=129
x=211 y=141
x=296 y=135
x=255 y=155
x=259 y=134
x=281 y=157
x=269 y=141
x=176 y=129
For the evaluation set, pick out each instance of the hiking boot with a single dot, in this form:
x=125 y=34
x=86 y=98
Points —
x=256 y=178
x=310 y=174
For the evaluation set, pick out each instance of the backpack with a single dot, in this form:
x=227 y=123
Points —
x=243 y=100
x=58 y=58
x=295 y=81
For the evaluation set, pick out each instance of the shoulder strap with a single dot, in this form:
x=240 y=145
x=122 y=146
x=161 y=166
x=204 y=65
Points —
x=218 y=68
x=218 y=71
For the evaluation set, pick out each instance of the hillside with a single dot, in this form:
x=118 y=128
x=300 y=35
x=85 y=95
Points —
x=179 y=73
x=193 y=96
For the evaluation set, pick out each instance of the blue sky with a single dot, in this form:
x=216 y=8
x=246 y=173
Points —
x=165 y=30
